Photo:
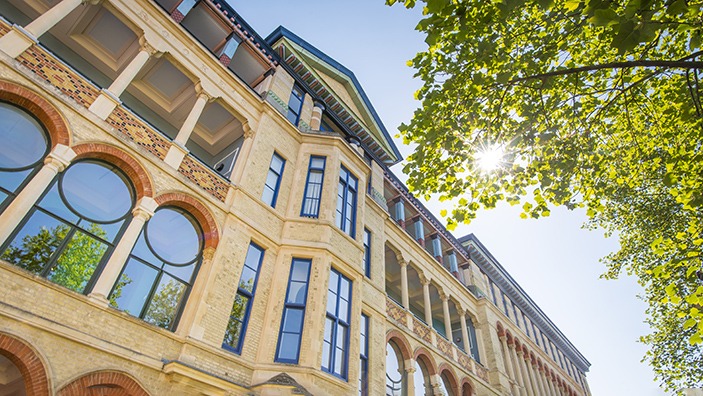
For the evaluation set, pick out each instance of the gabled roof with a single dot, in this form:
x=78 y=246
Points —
x=326 y=76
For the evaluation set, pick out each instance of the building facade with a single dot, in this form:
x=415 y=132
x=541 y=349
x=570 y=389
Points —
x=188 y=208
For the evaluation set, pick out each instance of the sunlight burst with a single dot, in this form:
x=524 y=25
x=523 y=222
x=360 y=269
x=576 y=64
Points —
x=490 y=158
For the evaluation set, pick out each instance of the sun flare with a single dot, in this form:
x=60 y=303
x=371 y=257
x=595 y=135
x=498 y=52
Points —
x=490 y=158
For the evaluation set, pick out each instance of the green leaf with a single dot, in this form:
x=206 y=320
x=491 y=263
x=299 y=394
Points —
x=604 y=17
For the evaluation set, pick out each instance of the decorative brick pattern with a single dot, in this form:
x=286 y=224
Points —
x=422 y=330
x=103 y=383
x=4 y=27
x=57 y=74
x=28 y=363
x=139 y=132
x=395 y=312
x=444 y=346
x=465 y=362
x=205 y=178
x=40 y=108
x=481 y=372
x=198 y=210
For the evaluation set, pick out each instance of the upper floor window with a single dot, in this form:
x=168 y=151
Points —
x=364 y=356
x=161 y=268
x=69 y=233
x=473 y=341
x=313 y=187
x=535 y=333
x=243 y=300
x=24 y=146
x=505 y=304
x=524 y=320
x=346 y=202
x=273 y=180
x=336 y=341
x=291 y=332
x=516 y=316
x=367 y=253
x=493 y=293
x=295 y=104
x=396 y=383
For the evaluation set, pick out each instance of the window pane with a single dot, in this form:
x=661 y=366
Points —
x=300 y=270
x=132 y=289
x=11 y=180
x=276 y=163
x=271 y=180
x=36 y=242
x=173 y=236
x=292 y=320
x=288 y=349
x=53 y=203
x=164 y=304
x=23 y=139
x=296 y=293
x=246 y=282
x=96 y=191
x=77 y=262
x=317 y=162
x=267 y=196
x=234 y=327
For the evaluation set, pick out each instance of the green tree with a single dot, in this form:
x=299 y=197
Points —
x=164 y=303
x=589 y=104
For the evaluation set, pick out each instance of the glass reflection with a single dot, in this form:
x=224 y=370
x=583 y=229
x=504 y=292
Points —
x=394 y=371
x=96 y=191
x=24 y=142
x=151 y=287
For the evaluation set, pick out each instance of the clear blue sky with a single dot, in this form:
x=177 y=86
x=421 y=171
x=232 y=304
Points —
x=553 y=259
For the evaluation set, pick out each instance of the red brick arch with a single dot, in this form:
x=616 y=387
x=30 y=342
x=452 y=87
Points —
x=28 y=362
x=103 y=383
x=467 y=387
x=133 y=169
x=198 y=210
x=32 y=102
x=444 y=368
x=426 y=357
x=399 y=340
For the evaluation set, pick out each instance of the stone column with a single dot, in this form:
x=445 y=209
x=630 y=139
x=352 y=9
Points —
x=318 y=107
x=58 y=159
x=447 y=319
x=531 y=374
x=243 y=156
x=537 y=377
x=405 y=299
x=550 y=384
x=110 y=98
x=20 y=39
x=516 y=369
x=143 y=211
x=529 y=389
x=428 y=303
x=435 y=381
x=464 y=332
x=178 y=148
x=410 y=376
x=545 y=382
x=508 y=364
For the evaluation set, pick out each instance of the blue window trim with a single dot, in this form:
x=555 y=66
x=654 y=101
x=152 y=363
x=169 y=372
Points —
x=473 y=341
x=535 y=333
x=287 y=305
x=347 y=191
x=345 y=322
x=364 y=358
x=298 y=93
x=524 y=320
x=517 y=318
x=278 y=179
x=250 y=295
x=505 y=304
x=367 y=252
x=307 y=185
x=493 y=293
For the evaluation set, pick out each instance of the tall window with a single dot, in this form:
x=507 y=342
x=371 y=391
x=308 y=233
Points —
x=161 y=269
x=346 y=202
x=70 y=232
x=505 y=304
x=516 y=317
x=24 y=145
x=367 y=253
x=364 y=356
x=313 y=187
x=524 y=320
x=493 y=293
x=288 y=348
x=446 y=384
x=395 y=371
x=535 y=333
x=273 y=180
x=295 y=103
x=421 y=378
x=239 y=316
x=336 y=342
x=473 y=341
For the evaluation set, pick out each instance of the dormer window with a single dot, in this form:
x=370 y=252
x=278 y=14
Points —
x=295 y=104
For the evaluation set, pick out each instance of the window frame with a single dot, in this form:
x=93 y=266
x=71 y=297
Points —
x=337 y=321
x=249 y=295
x=308 y=184
x=279 y=175
x=298 y=93
x=341 y=217
x=364 y=355
x=287 y=305
x=367 y=252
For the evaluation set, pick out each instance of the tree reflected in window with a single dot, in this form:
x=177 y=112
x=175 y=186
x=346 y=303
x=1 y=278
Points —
x=69 y=233
x=161 y=269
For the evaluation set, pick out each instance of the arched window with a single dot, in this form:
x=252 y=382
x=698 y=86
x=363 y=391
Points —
x=446 y=384
x=72 y=229
x=423 y=387
x=161 y=269
x=395 y=371
x=24 y=145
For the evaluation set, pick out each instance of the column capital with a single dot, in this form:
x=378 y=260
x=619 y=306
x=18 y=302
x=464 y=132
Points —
x=248 y=130
x=319 y=104
x=145 y=208
x=202 y=93
x=402 y=262
x=443 y=296
x=60 y=157
x=147 y=47
x=424 y=280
